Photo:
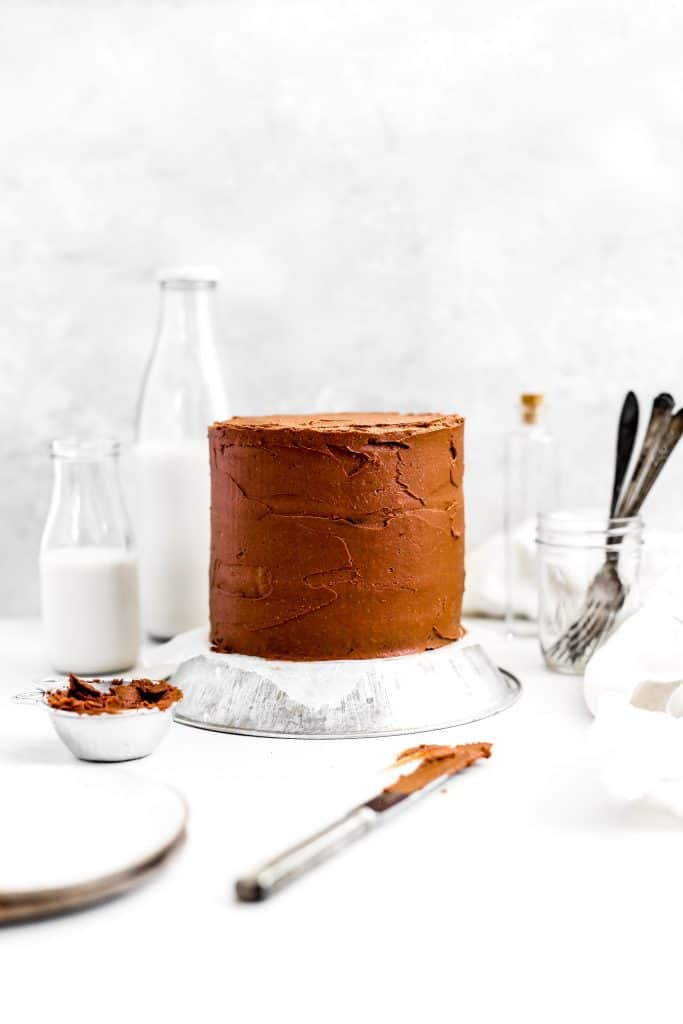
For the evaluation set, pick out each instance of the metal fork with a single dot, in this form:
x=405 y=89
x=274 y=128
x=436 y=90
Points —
x=606 y=594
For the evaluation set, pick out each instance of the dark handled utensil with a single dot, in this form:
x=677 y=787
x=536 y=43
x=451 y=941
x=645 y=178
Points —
x=606 y=593
x=667 y=440
x=660 y=418
x=626 y=439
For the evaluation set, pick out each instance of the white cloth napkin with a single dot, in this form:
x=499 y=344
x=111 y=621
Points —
x=485 y=582
x=634 y=687
x=485 y=588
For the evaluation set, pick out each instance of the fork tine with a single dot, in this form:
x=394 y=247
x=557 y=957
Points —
x=562 y=641
x=589 y=625
x=563 y=647
x=580 y=633
x=607 y=625
x=603 y=600
x=583 y=626
x=591 y=640
x=582 y=640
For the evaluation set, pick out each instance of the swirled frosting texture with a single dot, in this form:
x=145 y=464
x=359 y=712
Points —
x=336 y=536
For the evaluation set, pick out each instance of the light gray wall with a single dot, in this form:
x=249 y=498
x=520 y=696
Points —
x=415 y=205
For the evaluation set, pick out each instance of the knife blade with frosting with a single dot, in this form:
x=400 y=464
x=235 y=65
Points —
x=435 y=765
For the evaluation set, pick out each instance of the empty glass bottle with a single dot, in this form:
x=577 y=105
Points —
x=530 y=489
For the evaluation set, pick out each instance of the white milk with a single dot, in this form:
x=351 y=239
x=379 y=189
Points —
x=90 y=608
x=172 y=526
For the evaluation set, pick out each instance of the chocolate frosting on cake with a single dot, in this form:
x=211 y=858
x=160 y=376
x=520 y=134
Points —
x=336 y=536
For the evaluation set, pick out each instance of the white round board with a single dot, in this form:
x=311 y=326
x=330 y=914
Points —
x=66 y=826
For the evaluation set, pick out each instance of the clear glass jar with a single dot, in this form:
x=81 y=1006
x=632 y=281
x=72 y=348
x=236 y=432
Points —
x=182 y=394
x=573 y=548
x=88 y=563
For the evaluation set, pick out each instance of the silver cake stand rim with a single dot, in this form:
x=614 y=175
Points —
x=510 y=699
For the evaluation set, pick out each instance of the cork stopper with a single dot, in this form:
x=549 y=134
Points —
x=531 y=407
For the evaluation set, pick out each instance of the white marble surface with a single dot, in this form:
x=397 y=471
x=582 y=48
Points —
x=415 y=206
x=520 y=893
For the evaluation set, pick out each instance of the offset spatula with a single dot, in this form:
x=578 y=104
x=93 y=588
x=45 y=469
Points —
x=427 y=777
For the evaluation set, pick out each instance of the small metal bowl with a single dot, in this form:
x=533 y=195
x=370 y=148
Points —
x=123 y=736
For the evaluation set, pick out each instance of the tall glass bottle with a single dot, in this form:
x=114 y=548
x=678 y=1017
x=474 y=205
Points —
x=88 y=563
x=530 y=489
x=182 y=394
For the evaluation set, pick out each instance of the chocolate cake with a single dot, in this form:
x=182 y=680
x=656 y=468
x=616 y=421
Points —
x=336 y=536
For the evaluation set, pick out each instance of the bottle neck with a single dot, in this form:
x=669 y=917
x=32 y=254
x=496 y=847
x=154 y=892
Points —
x=187 y=320
x=73 y=476
x=182 y=391
x=532 y=417
x=87 y=506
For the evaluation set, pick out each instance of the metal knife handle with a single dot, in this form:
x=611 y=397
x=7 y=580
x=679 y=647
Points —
x=299 y=859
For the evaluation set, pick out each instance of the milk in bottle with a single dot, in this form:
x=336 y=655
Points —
x=88 y=564
x=182 y=394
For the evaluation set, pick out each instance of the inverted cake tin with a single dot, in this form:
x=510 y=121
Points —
x=453 y=685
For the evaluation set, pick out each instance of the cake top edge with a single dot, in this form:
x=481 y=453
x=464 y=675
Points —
x=344 y=422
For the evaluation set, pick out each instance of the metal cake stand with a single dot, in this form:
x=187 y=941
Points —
x=437 y=689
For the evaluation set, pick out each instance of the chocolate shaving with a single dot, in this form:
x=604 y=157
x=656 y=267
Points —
x=85 y=698
x=79 y=689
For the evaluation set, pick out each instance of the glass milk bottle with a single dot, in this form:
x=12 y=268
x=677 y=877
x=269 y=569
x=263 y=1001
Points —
x=182 y=394
x=88 y=564
x=530 y=489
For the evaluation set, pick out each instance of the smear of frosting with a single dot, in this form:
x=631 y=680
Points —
x=435 y=761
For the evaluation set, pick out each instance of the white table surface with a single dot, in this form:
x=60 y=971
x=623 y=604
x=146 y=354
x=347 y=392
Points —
x=519 y=893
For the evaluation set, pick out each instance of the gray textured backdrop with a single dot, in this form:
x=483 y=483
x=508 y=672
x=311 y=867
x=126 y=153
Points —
x=417 y=206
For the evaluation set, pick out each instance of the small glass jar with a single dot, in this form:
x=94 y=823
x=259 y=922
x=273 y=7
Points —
x=88 y=564
x=573 y=548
